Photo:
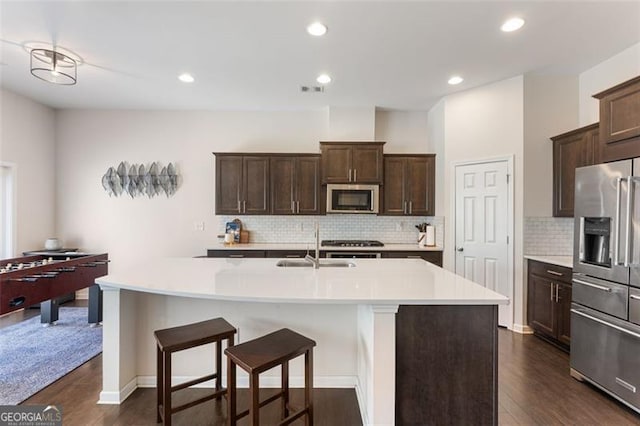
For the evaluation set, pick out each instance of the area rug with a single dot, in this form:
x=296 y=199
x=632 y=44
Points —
x=32 y=356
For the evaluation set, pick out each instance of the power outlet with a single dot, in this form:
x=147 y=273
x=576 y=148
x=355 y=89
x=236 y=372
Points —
x=399 y=226
x=198 y=226
x=298 y=226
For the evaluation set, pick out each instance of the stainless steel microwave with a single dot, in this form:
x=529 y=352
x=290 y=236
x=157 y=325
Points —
x=349 y=198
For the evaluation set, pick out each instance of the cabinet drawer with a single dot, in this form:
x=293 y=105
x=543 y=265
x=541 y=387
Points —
x=434 y=257
x=634 y=305
x=236 y=253
x=291 y=254
x=552 y=272
x=602 y=295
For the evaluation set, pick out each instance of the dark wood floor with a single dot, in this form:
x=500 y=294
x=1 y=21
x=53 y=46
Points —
x=534 y=389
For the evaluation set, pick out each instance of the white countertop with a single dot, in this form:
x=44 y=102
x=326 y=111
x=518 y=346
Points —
x=566 y=261
x=312 y=247
x=371 y=281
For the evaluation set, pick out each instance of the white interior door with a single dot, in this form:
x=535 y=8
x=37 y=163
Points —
x=482 y=229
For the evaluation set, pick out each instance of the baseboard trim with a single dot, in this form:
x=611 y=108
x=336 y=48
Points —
x=360 y=397
x=116 y=398
x=522 y=329
x=265 y=381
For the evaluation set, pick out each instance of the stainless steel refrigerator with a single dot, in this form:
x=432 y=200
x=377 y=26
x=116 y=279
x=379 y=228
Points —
x=605 y=309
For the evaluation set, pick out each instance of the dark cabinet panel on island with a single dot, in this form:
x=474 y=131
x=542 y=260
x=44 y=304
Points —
x=549 y=302
x=352 y=162
x=409 y=185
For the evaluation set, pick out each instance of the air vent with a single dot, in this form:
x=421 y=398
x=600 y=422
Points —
x=312 y=89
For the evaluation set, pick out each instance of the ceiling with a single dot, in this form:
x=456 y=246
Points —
x=256 y=55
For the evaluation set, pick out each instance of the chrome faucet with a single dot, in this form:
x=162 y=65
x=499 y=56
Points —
x=315 y=261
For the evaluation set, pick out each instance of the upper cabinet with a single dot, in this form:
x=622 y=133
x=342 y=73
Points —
x=295 y=184
x=573 y=149
x=409 y=185
x=352 y=162
x=620 y=121
x=242 y=184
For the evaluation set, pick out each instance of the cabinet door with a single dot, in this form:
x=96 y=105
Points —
x=568 y=153
x=541 y=305
x=563 y=313
x=255 y=185
x=593 y=147
x=420 y=186
x=393 y=191
x=620 y=121
x=307 y=177
x=367 y=164
x=336 y=163
x=283 y=185
x=228 y=185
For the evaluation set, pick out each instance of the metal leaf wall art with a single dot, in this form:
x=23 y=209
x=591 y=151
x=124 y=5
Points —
x=139 y=181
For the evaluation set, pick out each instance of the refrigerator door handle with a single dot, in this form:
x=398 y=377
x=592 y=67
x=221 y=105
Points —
x=616 y=248
x=627 y=240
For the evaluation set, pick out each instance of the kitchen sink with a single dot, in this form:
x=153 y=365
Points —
x=289 y=263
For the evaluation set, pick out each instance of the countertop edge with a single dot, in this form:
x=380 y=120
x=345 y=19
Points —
x=565 y=261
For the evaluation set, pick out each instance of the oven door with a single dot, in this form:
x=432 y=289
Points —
x=601 y=225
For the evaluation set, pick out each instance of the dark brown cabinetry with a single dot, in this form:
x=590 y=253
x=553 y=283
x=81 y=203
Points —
x=295 y=184
x=573 y=149
x=434 y=257
x=549 y=302
x=236 y=253
x=409 y=185
x=352 y=162
x=620 y=121
x=242 y=184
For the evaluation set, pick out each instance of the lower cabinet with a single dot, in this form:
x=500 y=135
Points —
x=549 y=302
x=434 y=257
x=236 y=253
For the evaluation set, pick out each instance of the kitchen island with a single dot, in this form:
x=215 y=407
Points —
x=417 y=342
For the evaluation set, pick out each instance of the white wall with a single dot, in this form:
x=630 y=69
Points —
x=27 y=139
x=352 y=124
x=550 y=108
x=615 y=70
x=404 y=131
x=481 y=123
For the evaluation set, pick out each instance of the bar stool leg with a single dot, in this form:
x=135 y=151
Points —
x=159 y=383
x=218 y=369
x=285 y=390
x=231 y=393
x=254 y=408
x=308 y=388
x=166 y=400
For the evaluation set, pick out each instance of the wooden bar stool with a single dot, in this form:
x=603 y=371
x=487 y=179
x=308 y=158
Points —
x=176 y=339
x=261 y=354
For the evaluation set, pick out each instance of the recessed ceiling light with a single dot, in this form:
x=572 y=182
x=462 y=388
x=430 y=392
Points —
x=186 y=78
x=512 y=24
x=323 y=79
x=317 y=29
x=456 y=79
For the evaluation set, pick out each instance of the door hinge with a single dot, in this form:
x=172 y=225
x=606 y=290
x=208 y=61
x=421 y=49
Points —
x=507 y=239
x=507 y=178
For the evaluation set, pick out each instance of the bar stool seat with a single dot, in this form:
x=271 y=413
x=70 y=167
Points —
x=261 y=354
x=176 y=339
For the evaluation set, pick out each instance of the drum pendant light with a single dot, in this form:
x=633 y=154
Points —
x=54 y=67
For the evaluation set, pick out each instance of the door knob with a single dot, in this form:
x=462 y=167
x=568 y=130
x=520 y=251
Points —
x=460 y=249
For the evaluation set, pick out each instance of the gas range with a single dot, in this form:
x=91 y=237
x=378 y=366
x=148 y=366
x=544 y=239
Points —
x=351 y=243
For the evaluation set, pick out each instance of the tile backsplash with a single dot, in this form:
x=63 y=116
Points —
x=300 y=229
x=548 y=236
